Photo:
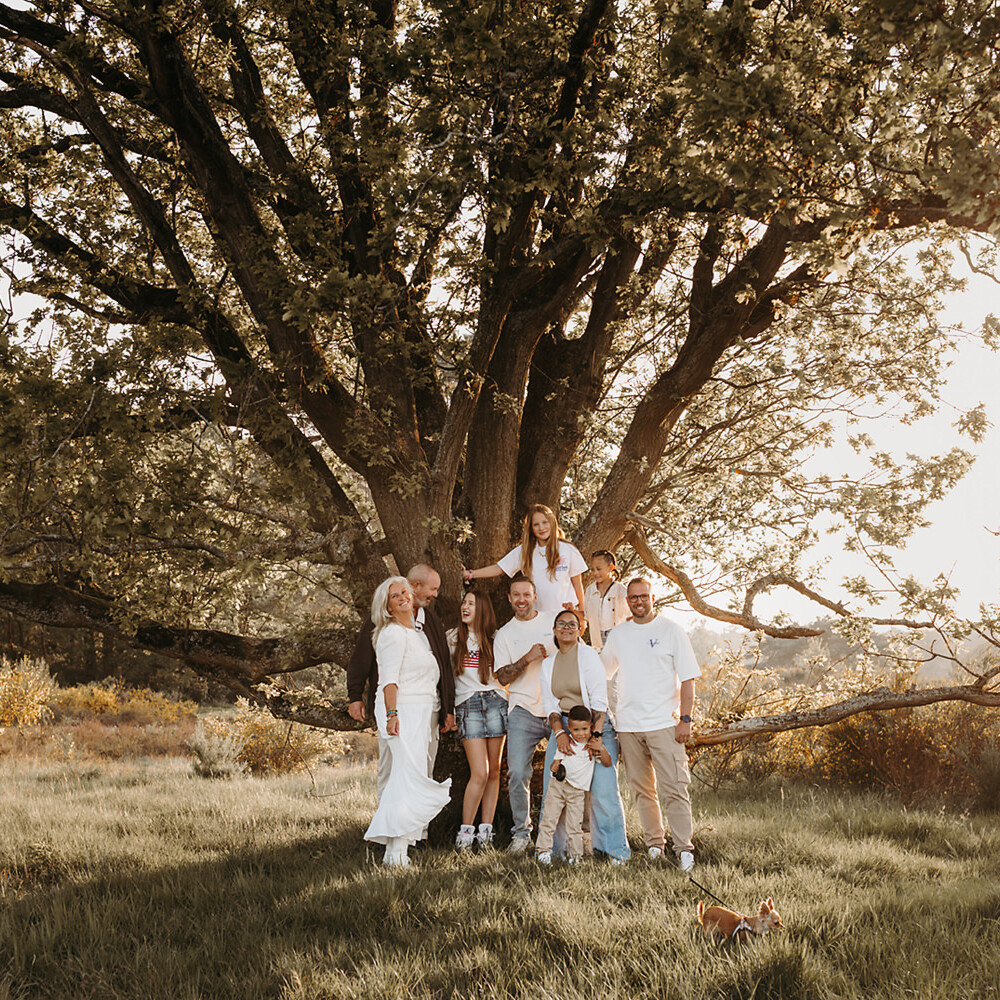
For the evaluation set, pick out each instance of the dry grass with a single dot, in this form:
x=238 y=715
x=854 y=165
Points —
x=140 y=881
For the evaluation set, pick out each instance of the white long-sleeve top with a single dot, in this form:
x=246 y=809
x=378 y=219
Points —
x=405 y=659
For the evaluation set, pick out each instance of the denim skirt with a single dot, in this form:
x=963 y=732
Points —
x=482 y=715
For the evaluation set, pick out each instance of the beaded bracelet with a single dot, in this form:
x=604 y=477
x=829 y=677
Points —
x=391 y=713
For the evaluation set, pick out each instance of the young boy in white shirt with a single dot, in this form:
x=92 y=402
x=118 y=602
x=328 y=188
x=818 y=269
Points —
x=568 y=791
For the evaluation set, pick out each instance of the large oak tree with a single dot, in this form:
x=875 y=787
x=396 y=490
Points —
x=316 y=283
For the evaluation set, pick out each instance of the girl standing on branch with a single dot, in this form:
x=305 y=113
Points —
x=605 y=600
x=544 y=556
x=481 y=712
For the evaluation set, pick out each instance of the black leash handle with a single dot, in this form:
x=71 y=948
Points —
x=709 y=892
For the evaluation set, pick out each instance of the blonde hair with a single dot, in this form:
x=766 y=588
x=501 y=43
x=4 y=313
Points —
x=528 y=541
x=380 y=604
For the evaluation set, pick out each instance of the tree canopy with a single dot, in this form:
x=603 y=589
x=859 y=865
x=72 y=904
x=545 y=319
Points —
x=318 y=283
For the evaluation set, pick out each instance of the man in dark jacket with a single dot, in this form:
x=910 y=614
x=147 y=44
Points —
x=362 y=668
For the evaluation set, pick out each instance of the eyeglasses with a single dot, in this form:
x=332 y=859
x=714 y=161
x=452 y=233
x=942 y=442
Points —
x=638 y=597
x=568 y=624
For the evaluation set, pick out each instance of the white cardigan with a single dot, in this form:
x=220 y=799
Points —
x=593 y=681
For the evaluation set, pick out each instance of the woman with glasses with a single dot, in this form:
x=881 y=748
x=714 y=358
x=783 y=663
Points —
x=544 y=556
x=575 y=675
x=406 y=706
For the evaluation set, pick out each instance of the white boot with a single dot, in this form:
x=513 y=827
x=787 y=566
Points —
x=466 y=837
x=485 y=835
x=397 y=853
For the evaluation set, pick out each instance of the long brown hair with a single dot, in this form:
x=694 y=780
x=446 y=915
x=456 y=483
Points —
x=484 y=625
x=528 y=540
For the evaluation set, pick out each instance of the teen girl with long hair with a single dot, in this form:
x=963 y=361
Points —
x=544 y=556
x=481 y=714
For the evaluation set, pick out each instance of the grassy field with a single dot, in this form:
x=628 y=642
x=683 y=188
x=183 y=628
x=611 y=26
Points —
x=139 y=880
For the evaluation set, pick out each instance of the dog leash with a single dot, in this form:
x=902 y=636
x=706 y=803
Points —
x=709 y=892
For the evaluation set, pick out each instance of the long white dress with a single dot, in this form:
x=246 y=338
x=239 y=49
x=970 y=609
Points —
x=411 y=797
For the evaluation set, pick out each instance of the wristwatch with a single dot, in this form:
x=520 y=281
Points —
x=686 y=718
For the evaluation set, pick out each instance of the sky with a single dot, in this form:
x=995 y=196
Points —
x=959 y=542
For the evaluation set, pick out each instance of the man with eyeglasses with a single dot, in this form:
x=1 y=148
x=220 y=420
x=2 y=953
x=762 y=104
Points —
x=518 y=650
x=656 y=670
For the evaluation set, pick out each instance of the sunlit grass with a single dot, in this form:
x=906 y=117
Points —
x=139 y=880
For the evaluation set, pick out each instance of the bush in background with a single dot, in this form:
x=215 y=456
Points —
x=217 y=752
x=25 y=691
x=113 y=701
x=262 y=743
x=944 y=752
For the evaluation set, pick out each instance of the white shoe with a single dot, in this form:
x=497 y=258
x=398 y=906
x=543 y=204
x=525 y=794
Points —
x=466 y=837
x=617 y=861
x=395 y=860
x=485 y=835
x=686 y=862
x=655 y=853
x=544 y=858
x=519 y=845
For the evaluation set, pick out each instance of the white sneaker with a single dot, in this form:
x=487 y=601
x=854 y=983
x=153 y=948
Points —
x=519 y=845
x=655 y=853
x=686 y=862
x=617 y=861
x=544 y=858
x=485 y=835
x=466 y=837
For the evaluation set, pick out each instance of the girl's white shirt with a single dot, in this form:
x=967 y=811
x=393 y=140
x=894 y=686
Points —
x=467 y=683
x=553 y=591
x=604 y=613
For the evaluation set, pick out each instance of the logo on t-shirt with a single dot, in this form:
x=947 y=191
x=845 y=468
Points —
x=653 y=643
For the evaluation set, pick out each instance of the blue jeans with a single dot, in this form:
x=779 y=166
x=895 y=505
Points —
x=607 y=815
x=482 y=716
x=524 y=732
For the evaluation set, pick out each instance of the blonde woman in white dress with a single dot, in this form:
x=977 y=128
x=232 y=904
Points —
x=406 y=706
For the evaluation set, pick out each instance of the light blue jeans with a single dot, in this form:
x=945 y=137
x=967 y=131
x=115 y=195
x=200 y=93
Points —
x=524 y=732
x=607 y=815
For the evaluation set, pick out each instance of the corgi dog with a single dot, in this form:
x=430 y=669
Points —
x=735 y=926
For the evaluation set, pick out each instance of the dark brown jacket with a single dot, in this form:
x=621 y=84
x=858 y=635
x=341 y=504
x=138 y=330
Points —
x=362 y=669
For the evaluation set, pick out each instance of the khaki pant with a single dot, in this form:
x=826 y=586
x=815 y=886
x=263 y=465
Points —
x=562 y=796
x=657 y=768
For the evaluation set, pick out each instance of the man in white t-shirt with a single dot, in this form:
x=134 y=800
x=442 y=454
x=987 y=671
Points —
x=656 y=670
x=518 y=650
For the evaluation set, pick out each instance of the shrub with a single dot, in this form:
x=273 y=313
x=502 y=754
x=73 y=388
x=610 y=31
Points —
x=25 y=691
x=267 y=745
x=111 y=700
x=217 y=753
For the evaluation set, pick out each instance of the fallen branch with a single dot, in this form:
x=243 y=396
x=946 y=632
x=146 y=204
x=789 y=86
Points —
x=879 y=700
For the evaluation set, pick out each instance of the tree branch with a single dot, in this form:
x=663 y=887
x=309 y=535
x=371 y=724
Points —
x=636 y=537
x=880 y=700
x=238 y=661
